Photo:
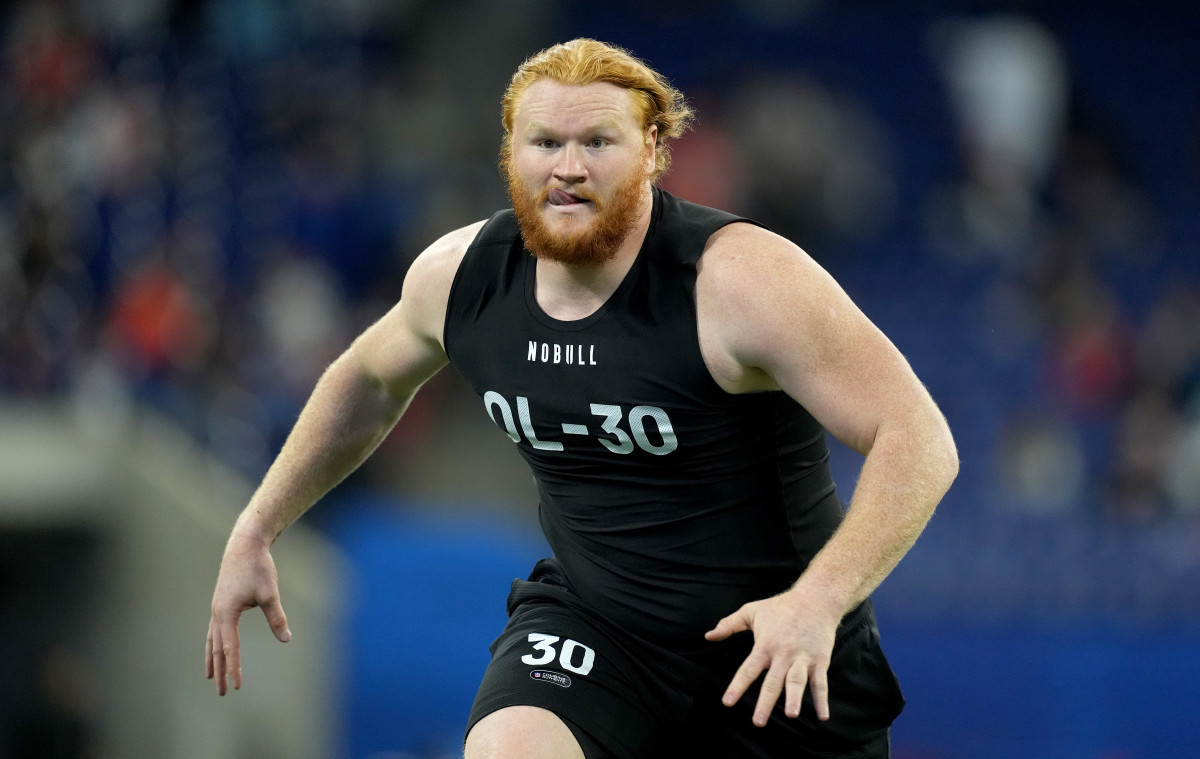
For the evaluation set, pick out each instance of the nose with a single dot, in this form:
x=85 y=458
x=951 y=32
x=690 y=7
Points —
x=570 y=166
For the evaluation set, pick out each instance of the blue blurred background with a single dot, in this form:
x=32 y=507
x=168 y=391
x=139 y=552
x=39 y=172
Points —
x=203 y=201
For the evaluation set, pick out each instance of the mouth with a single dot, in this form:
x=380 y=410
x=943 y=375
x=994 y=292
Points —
x=559 y=197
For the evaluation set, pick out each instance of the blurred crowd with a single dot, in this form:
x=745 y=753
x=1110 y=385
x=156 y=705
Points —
x=201 y=203
x=200 y=207
x=1088 y=286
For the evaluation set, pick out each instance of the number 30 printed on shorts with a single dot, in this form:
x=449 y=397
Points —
x=568 y=655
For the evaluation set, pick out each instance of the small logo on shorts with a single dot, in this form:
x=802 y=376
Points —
x=548 y=676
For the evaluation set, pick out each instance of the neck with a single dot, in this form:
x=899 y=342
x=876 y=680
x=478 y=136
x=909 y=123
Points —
x=571 y=291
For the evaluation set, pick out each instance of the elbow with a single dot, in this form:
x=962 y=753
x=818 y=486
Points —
x=933 y=453
x=945 y=454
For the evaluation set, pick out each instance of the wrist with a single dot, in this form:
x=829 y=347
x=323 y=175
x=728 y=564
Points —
x=252 y=532
x=822 y=596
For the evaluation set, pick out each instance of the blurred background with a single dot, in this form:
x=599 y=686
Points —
x=203 y=201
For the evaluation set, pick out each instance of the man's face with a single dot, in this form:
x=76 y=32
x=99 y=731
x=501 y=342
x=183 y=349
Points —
x=579 y=170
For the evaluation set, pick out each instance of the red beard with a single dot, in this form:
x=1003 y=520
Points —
x=615 y=218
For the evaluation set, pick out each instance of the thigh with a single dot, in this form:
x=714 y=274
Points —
x=522 y=732
x=551 y=658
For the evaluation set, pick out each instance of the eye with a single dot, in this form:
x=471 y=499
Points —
x=597 y=142
x=547 y=144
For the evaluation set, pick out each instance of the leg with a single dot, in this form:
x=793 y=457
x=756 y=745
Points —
x=522 y=732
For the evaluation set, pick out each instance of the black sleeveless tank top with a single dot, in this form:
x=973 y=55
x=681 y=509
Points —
x=667 y=501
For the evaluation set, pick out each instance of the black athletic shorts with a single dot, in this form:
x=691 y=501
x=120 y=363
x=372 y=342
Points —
x=626 y=698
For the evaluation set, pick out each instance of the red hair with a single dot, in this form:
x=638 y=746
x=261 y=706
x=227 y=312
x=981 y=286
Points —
x=585 y=61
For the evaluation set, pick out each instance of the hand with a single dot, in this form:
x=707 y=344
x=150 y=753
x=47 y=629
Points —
x=793 y=642
x=247 y=579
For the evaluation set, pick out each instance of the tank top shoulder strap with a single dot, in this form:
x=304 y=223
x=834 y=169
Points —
x=683 y=228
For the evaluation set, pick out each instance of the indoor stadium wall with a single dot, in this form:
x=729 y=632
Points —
x=109 y=547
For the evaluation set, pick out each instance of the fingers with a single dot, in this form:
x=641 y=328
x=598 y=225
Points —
x=232 y=653
x=208 y=652
x=818 y=686
x=739 y=621
x=222 y=647
x=781 y=679
x=222 y=657
x=277 y=620
x=216 y=658
x=814 y=678
x=751 y=668
x=797 y=681
x=772 y=686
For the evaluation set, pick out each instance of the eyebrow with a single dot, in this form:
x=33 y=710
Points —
x=605 y=123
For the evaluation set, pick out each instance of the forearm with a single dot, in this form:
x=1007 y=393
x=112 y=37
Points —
x=344 y=420
x=903 y=478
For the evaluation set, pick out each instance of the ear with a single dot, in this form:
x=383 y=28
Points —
x=651 y=142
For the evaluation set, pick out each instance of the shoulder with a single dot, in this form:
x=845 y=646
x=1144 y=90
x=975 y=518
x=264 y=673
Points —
x=762 y=271
x=751 y=271
x=404 y=347
x=743 y=251
x=436 y=265
x=427 y=284
x=758 y=294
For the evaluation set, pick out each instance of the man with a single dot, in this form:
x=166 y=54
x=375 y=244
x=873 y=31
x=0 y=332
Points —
x=666 y=370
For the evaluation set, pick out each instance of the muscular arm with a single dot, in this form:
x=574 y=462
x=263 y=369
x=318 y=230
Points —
x=770 y=317
x=355 y=404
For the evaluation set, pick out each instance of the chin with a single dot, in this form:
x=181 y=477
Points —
x=567 y=229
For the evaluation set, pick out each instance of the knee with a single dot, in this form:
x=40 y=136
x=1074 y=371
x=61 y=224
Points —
x=522 y=732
